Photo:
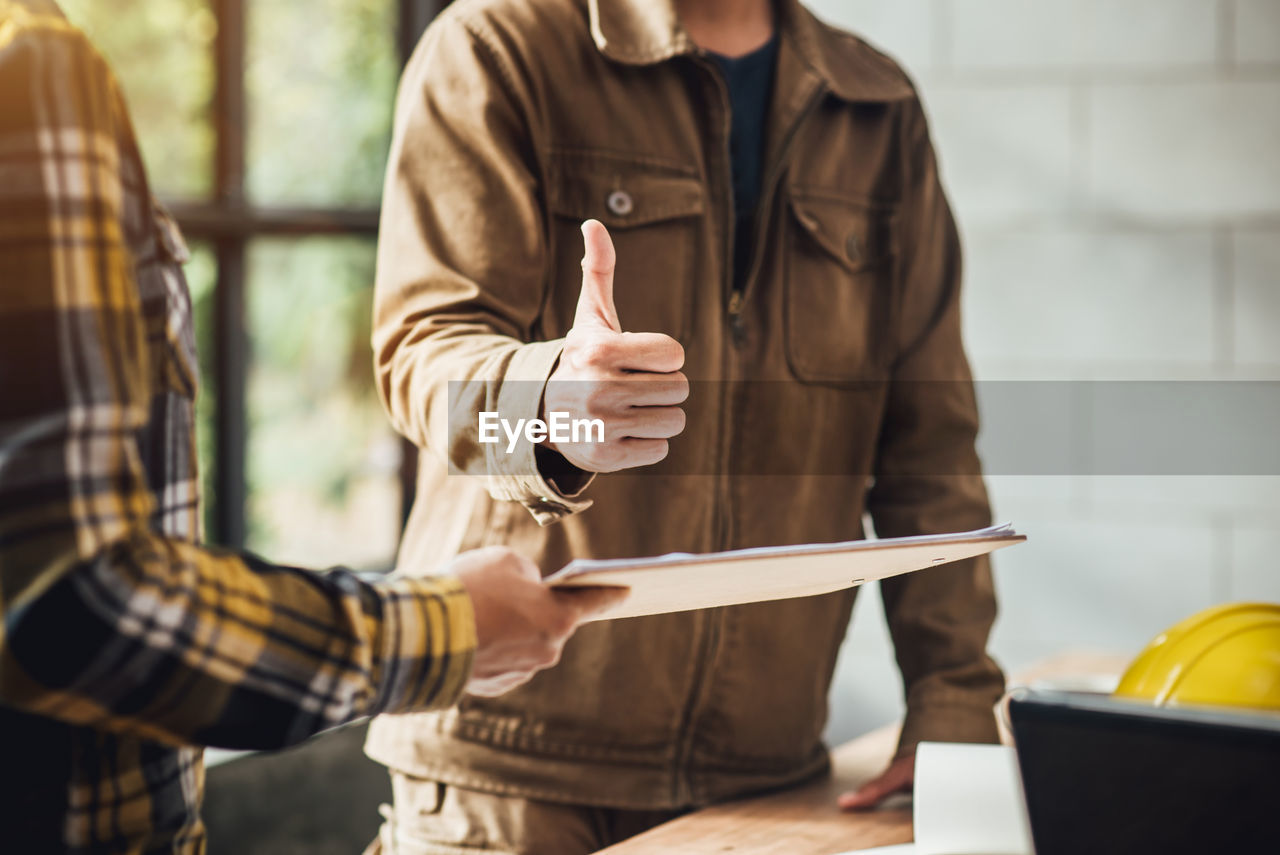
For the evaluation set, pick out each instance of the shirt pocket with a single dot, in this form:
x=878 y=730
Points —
x=652 y=216
x=838 y=301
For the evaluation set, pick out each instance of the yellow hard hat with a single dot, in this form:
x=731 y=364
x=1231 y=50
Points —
x=1224 y=656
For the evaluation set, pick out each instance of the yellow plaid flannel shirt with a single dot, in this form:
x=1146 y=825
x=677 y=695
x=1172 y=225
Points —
x=125 y=645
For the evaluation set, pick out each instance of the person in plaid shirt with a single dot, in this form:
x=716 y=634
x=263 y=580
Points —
x=126 y=645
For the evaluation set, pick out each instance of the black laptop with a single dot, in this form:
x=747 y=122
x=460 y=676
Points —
x=1104 y=776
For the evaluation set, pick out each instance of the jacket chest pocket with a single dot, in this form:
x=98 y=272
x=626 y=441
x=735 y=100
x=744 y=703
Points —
x=652 y=218
x=838 y=296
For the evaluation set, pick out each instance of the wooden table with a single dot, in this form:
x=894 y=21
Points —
x=805 y=820
x=799 y=821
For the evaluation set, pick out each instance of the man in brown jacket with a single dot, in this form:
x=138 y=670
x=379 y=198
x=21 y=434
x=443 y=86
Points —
x=796 y=277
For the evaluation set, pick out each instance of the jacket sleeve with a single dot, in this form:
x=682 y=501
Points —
x=462 y=267
x=928 y=478
x=107 y=623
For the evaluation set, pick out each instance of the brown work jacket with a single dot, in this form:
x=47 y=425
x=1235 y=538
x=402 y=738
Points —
x=836 y=384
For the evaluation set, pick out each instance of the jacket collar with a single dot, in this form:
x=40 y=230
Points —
x=644 y=32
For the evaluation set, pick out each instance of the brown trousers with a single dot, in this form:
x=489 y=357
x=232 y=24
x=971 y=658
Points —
x=430 y=818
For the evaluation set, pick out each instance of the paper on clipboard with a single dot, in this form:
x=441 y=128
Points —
x=680 y=581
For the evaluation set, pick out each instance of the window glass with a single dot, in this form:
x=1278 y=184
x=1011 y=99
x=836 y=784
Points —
x=162 y=52
x=322 y=460
x=202 y=275
x=321 y=81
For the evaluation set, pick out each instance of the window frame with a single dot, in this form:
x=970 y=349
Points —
x=228 y=222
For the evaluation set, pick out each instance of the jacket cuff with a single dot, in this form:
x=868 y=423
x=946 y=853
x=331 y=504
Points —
x=427 y=644
x=516 y=477
x=940 y=721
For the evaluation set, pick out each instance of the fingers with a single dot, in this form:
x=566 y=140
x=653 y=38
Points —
x=555 y=615
x=656 y=390
x=645 y=452
x=617 y=455
x=652 y=352
x=623 y=454
x=631 y=383
x=492 y=687
x=499 y=558
x=864 y=797
x=635 y=408
x=647 y=423
x=611 y=399
x=595 y=302
x=896 y=779
x=622 y=352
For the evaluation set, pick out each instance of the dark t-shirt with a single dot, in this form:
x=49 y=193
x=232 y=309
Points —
x=750 y=83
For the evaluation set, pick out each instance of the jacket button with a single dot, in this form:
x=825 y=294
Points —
x=620 y=203
x=853 y=248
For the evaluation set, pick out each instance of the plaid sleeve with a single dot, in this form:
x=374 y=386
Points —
x=107 y=622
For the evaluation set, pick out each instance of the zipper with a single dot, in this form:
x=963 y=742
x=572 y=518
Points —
x=738 y=302
x=682 y=790
x=736 y=327
x=735 y=299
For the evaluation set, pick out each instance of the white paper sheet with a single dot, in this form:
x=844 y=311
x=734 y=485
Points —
x=680 y=581
x=968 y=801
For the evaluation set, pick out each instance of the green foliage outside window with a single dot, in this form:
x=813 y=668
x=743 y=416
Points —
x=320 y=79
x=322 y=459
x=162 y=52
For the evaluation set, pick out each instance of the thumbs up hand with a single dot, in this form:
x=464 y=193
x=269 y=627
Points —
x=630 y=381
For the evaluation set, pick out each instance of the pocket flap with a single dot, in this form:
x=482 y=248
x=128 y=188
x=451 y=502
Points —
x=856 y=233
x=628 y=195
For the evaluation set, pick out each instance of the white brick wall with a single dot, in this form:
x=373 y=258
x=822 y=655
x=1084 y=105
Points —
x=1115 y=166
x=1158 y=34
x=1255 y=264
x=1005 y=150
x=1255 y=563
x=1256 y=25
x=1057 y=584
x=1015 y=34
x=1171 y=150
x=1091 y=296
x=995 y=34
x=904 y=26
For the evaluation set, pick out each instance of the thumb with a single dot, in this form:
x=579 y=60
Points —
x=595 y=303
x=526 y=569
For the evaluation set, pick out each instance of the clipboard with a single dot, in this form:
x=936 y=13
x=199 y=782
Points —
x=681 y=581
